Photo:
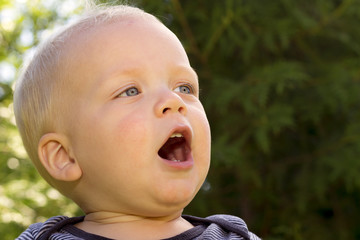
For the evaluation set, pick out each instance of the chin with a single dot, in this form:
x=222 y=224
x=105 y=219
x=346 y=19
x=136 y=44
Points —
x=169 y=209
x=177 y=197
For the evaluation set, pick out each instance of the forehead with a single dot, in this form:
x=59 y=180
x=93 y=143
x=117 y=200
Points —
x=135 y=41
x=120 y=33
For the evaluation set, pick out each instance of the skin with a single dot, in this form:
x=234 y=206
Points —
x=124 y=100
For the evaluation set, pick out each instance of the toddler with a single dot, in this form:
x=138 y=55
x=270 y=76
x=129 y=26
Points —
x=109 y=112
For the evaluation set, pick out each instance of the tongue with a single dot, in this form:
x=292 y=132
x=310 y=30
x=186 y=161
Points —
x=178 y=154
x=174 y=150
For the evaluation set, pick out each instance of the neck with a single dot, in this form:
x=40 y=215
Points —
x=124 y=226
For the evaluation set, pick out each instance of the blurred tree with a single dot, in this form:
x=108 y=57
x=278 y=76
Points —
x=280 y=84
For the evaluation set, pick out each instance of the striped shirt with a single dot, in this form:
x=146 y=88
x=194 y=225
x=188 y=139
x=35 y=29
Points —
x=213 y=227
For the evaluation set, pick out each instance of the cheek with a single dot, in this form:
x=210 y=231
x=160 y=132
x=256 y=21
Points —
x=202 y=142
x=202 y=131
x=127 y=134
x=112 y=146
x=109 y=136
x=132 y=135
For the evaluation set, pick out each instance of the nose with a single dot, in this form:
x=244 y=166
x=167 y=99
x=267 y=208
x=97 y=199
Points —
x=169 y=102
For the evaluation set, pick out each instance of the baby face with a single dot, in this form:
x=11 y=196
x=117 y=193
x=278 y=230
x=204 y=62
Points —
x=137 y=129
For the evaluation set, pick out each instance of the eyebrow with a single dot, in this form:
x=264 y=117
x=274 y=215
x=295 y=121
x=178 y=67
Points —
x=124 y=70
x=185 y=69
x=136 y=71
x=104 y=82
x=131 y=70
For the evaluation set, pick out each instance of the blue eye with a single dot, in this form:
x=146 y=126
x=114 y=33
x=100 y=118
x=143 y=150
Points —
x=133 y=91
x=186 y=89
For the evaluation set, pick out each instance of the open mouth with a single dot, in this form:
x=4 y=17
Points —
x=175 y=149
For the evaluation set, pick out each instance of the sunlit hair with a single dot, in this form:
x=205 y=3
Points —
x=38 y=92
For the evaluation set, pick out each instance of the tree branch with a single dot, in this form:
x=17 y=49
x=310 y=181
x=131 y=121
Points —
x=187 y=30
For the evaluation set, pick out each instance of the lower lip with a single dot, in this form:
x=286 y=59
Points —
x=184 y=165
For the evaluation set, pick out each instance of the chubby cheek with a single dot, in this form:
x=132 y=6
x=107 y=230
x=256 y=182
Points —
x=202 y=138
x=125 y=138
x=133 y=138
x=202 y=145
x=111 y=141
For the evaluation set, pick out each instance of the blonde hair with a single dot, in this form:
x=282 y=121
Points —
x=38 y=91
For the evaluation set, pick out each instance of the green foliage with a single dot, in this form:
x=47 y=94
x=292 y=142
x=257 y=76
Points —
x=280 y=84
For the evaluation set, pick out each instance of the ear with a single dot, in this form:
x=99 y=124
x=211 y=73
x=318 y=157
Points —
x=54 y=156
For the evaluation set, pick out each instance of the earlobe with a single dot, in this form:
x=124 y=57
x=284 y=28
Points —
x=56 y=159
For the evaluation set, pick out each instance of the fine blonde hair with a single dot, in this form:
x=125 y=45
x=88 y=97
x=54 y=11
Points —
x=38 y=92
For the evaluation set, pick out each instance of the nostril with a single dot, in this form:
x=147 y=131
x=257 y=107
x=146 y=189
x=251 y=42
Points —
x=165 y=109
x=182 y=110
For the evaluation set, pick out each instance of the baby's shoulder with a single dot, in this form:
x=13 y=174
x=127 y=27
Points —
x=227 y=218
x=227 y=226
x=38 y=230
